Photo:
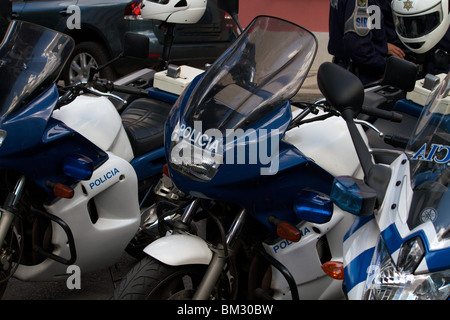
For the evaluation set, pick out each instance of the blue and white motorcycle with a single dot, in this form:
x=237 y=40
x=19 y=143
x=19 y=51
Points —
x=399 y=245
x=256 y=169
x=76 y=174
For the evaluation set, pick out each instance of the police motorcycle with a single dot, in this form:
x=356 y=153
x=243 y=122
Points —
x=78 y=176
x=256 y=172
x=144 y=118
x=398 y=246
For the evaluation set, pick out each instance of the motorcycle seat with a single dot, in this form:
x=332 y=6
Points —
x=144 y=121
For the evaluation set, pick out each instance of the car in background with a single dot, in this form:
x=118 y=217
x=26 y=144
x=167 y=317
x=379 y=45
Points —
x=100 y=31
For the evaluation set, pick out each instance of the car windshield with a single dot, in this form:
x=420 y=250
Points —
x=430 y=166
x=264 y=67
x=31 y=59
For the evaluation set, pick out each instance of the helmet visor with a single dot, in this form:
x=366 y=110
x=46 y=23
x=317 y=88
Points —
x=418 y=26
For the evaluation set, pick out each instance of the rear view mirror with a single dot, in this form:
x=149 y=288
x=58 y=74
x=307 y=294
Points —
x=400 y=73
x=340 y=87
x=136 y=45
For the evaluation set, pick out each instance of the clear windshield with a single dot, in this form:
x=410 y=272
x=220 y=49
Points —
x=265 y=66
x=31 y=59
x=430 y=166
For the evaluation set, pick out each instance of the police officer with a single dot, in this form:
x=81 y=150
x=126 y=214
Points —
x=357 y=38
x=423 y=27
x=395 y=46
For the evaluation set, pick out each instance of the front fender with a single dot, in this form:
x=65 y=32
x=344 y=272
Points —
x=180 y=249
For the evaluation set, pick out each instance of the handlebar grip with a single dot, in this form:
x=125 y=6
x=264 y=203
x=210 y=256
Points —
x=130 y=90
x=383 y=114
x=106 y=86
x=396 y=140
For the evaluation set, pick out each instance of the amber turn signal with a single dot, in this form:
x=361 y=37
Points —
x=334 y=269
x=285 y=230
x=62 y=191
x=288 y=232
x=166 y=170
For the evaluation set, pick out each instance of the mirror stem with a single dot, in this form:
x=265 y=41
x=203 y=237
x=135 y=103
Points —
x=94 y=70
x=168 y=41
x=360 y=146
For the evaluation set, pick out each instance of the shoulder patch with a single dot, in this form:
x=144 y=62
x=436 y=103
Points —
x=359 y=21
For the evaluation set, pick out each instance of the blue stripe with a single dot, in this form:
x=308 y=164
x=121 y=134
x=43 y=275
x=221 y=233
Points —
x=358 y=223
x=356 y=271
x=392 y=238
x=437 y=260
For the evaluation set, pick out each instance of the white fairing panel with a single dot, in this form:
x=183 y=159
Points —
x=97 y=120
x=329 y=144
x=303 y=260
x=180 y=249
x=103 y=216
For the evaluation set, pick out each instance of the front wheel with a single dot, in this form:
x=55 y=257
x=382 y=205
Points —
x=152 y=280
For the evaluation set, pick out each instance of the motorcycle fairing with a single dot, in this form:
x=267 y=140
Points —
x=26 y=126
x=415 y=210
x=112 y=194
x=422 y=196
x=248 y=88
x=395 y=229
x=31 y=59
x=37 y=145
x=357 y=259
x=244 y=184
x=391 y=228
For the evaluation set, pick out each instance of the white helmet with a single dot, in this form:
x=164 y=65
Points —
x=420 y=24
x=172 y=11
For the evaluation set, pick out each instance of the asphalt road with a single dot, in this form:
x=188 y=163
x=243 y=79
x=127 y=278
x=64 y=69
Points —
x=97 y=285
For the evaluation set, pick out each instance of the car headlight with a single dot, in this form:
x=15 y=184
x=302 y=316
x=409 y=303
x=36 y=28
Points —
x=389 y=281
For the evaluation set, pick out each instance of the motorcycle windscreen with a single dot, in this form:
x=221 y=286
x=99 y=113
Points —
x=31 y=60
x=264 y=68
x=430 y=165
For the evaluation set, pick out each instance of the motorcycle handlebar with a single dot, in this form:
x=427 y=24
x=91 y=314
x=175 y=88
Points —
x=383 y=114
x=130 y=90
x=396 y=140
x=110 y=86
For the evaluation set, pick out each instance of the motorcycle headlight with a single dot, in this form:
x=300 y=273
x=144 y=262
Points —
x=389 y=281
x=189 y=157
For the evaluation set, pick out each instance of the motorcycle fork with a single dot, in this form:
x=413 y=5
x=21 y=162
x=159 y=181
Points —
x=219 y=259
x=8 y=212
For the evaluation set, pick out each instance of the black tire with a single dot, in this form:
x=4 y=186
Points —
x=85 y=55
x=150 y=279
